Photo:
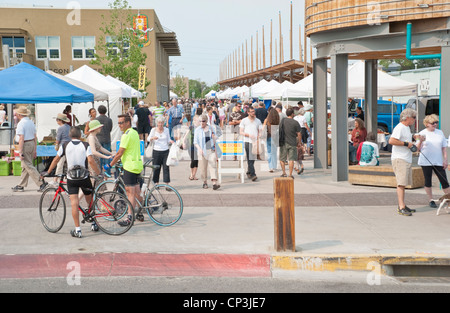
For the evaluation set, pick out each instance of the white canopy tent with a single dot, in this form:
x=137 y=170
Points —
x=211 y=94
x=258 y=89
x=47 y=112
x=127 y=91
x=93 y=78
x=388 y=86
x=277 y=91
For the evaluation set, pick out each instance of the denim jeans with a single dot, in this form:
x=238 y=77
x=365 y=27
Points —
x=272 y=154
x=250 y=159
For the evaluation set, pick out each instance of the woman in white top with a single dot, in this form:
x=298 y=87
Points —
x=433 y=157
x=2 y=114
x=160 y=137
x=222 y=114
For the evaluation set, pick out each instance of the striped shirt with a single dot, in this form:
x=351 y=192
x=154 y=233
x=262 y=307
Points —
x=158 y=111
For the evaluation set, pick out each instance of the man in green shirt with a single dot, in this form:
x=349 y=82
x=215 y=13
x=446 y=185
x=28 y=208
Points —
x=158 y=110
x=130 y=153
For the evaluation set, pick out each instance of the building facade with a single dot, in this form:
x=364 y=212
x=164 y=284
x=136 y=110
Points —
x=63 y=40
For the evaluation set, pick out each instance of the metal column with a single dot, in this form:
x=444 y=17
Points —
x=371 y=95
x=320 y=114
x=445 y=90
x=339 y=117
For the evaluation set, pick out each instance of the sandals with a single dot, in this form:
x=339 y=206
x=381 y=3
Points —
x=205 y=186
x=193 y=178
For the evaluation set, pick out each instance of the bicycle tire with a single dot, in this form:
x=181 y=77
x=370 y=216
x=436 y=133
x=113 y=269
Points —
x=52 y=210
x=110 y=209
x=110 y=185
x=164 y=205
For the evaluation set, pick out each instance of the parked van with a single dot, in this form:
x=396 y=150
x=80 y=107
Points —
x=426 y=106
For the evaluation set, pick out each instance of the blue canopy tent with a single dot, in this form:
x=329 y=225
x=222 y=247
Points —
x=27 y=84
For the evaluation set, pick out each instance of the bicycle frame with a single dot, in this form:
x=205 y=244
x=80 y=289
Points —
x=87 y=213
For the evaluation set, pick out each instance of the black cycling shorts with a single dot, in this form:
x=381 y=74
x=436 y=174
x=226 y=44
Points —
x=73 y=186
x=131 y=179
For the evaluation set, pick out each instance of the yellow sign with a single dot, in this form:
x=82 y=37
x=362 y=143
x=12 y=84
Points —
x=232 y=148
x=142 y=77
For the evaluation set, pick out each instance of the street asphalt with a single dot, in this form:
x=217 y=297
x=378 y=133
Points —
x=230 y=231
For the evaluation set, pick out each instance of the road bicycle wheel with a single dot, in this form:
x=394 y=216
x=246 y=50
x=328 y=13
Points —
x=110 y=185
x=111 y=213
x=52 y=210
x=164 y=205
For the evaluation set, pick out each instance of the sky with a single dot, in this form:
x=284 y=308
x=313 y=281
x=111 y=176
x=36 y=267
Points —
x=209 y=30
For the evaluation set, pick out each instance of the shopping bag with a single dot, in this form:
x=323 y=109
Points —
x=173 y=157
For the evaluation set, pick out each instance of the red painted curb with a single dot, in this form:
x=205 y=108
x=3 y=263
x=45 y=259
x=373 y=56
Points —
x=134 y=264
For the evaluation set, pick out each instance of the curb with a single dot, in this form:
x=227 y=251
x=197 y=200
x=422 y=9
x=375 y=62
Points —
x=384 y=264
x=203 y=265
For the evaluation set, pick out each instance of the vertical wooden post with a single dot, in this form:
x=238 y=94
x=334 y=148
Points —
x=271 y=48
x=291 y=35
x=284 y=214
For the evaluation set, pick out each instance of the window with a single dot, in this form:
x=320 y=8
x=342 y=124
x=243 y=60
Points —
x=47 y=47
x=16 y=44
x=83 y=47
x=114 y=48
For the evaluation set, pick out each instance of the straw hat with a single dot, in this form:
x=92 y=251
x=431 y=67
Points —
x=93 y=125
x=62 y=117
x=23 y=111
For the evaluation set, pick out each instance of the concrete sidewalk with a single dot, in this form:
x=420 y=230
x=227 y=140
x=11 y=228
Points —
x=338 y=227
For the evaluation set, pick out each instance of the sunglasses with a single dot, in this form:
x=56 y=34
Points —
x=434 y=123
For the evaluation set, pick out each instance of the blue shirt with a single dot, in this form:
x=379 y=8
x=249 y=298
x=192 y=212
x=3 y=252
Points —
x=176 y=112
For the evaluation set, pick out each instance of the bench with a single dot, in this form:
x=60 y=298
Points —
x=382 y=176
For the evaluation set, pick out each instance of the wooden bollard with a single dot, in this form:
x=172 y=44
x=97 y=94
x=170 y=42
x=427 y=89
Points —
x=284 y=214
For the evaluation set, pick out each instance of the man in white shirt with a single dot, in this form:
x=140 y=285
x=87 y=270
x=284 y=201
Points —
x=77 y=153
x=402 y=157
x=250 y=129
x=26 y=132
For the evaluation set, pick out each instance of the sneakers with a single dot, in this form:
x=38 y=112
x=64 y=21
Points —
x=42 y=187
x=126 y=222
x=17 y=189
x=94 y=226
x=215 y=187
x=21 y=189
x=75 y=233
x=405 y=211
x=433 y=204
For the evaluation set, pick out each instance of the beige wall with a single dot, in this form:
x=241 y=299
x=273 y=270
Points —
x=53 y=22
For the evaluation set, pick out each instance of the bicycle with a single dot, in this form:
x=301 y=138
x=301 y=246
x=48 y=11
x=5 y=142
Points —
x=163 y=203
x=106 y=211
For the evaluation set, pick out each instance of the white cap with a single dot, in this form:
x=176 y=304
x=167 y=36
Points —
x=141 y=103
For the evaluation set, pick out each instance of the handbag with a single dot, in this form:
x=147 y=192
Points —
x=149 y=150
x=172 y=158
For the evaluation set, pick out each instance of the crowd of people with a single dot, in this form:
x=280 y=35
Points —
x=289 y=129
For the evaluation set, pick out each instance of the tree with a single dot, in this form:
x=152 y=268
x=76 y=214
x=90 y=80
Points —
x=179 y=87
x=406 y=64
x=121 y=49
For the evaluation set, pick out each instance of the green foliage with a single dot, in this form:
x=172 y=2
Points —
x=122 y=56
x=406 y=64
x=179 y=87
